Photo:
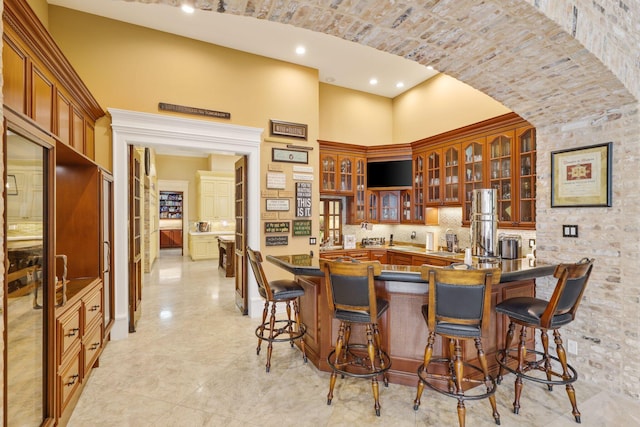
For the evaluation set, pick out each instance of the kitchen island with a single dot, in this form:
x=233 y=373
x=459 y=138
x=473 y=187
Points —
x=404 y=331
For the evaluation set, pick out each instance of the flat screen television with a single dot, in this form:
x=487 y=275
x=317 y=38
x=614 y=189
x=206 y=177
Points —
x=392 y=173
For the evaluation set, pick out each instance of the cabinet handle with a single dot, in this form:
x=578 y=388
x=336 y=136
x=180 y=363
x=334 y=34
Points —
x=95 y=346
x=73 y=332
x=94 y=308
x=74 y=378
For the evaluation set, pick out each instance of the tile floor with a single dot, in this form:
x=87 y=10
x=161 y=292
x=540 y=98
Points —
x=192 y=362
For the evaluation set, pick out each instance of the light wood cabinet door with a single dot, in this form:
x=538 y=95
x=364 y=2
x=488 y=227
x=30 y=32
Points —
x=215 y=197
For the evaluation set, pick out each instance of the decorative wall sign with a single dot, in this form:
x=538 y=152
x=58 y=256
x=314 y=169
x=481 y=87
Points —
x=302 y=227
x=304 y=260
x=193 y=110
x=294 y=130
x=276 y=180
x=281 y=205
x=290 y=156
x=306 y=169
x=303 y=199
x=581 y=176
x=302 y=177
x=276 y=240
x=276 y=227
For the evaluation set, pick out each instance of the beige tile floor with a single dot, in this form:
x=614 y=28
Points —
x=192 y=362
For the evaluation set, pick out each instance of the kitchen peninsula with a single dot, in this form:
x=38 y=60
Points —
x=402 y=327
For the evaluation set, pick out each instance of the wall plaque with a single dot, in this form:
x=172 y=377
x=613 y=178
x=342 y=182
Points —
x=302 y=177
x=276 y=180
x=276 y=227
x=277 y=205
x=303 y=199
x=290 y=156
x=276 y=240
x=302 y=227
x=193 y=110
x=295 y=130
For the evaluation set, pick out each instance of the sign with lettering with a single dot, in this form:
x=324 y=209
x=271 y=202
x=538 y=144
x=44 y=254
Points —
x=276 y=240
x=276 y=227
x=193 y=110
x=303 y=199
x=295 y=130
x=302 y=227
x=276 y=180
x=277 y=204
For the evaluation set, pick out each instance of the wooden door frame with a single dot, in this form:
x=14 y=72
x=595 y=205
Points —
x=156 y=130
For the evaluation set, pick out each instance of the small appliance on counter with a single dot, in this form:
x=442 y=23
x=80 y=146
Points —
x=202 y=226
x=484 y=223
x=429 y=241
x=510 y=246
x=372 y=242
x=452 y=241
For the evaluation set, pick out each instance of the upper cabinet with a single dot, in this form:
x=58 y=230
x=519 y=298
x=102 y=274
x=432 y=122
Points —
x=215 y=193
x=443 y=172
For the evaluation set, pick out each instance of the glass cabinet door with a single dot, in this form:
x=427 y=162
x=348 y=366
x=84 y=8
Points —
x=346 y=174
x=359 y=197
x=372 y=206
x=328 y=165
x=473 y=174
x=433 y=177
x=501 y=172
x=418 y=188
x=405 y=208
x=389 y=206
x=527 y=181
x=451 y=174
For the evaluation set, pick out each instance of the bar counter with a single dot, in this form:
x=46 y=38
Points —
x=404 y=331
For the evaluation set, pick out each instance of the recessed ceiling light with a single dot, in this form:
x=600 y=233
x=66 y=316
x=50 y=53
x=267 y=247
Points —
x=301 y=50
x=399 y=85
x=429 y=67
x=373 y=81
x=187 y=8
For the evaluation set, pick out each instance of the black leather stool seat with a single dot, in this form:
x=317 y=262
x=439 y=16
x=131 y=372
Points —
x=282 y=290
x=277 y=291
x=361 y=316
x=531 y=312
x=445 y=328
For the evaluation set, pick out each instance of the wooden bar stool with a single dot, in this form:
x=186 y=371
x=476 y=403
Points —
x=458 y=310
x=282 y=290
x=352 y=300
x=530 y=312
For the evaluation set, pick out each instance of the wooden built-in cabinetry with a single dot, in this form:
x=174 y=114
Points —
x=498 y=153
x=47 y=103
x=170 y=238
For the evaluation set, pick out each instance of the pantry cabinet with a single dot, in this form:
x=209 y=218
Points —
x=214 y=196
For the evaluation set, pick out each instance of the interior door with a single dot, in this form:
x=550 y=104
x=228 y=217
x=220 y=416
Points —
x=106 y=220
x=135 y=238
x=28 y=302
x=241 y=233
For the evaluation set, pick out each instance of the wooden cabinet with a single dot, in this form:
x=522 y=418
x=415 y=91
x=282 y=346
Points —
x=215 y=196
x=526 y=177
x=170 y=204
x=339 y=173
x=443 y=172
x=418 y=214
x=328 y=172
x=203 y=246
x=405 y=206
x=372 y=206
x=474 y=175
x=378 y=255
x=359 y=205
x=170 y=239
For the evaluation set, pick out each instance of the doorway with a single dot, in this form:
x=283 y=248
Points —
x=154 y=130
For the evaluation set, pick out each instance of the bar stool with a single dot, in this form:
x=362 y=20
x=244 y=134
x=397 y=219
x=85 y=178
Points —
x=458 y=309
x=352 y=300
x=275 y=291
x=530 y=312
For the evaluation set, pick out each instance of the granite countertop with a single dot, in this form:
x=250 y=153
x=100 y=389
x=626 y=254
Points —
x=512 y=270
x=211 y=233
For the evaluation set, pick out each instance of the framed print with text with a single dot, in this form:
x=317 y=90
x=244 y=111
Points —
x=581 y=177
x=290 y=156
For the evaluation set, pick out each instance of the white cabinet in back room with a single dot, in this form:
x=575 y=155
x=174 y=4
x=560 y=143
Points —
x=215 y=193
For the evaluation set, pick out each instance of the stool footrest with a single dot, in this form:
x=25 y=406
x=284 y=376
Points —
x=297 y=331
x=542 y=364
x=356 y=362
x=442 y=383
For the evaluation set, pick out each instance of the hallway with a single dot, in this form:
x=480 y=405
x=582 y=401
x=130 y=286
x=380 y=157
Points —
x=192 y=362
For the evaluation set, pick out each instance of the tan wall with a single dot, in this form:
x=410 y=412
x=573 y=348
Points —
x=134 y=68
x=41 y=9
x=354 y=117
x=438 y=105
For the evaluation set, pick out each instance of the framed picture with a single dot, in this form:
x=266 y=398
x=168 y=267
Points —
x=290 y=156
x=581 y=176
x=277 y=205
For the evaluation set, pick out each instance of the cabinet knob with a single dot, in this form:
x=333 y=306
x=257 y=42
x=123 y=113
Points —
x=94 y=346
x=73 y=332
x=94 y=308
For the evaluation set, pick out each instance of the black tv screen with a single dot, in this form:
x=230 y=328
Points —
x=394 y=173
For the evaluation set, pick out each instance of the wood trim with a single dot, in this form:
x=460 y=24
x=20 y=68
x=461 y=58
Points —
x=20 y=18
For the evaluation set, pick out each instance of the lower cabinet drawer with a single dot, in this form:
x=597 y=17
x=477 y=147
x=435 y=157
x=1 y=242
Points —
x=68 y=330
x=92 y=306
x=91 y=346
x=69 y=380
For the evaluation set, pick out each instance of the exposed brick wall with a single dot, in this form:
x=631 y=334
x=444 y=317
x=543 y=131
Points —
x=572 y=68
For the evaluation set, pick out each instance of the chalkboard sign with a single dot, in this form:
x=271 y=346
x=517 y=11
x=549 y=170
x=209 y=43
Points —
x=276 y=227
x=302 y=227
x=277 y=240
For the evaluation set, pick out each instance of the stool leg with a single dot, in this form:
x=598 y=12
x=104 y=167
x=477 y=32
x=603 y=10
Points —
x=296 y=311
x=347 y=337
x=461 y=412
x=522 y=354
x=289 y=324
x=507 y=345
x=378 y=342
x=376 y=395
x=565 y=374
x=338 y=351
x=544 y=339
x=451 y=368
x=272 y=326
x=264 y=319
x=428 y=351
x=371 y=350
x=488 y=381
x=457 y=370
